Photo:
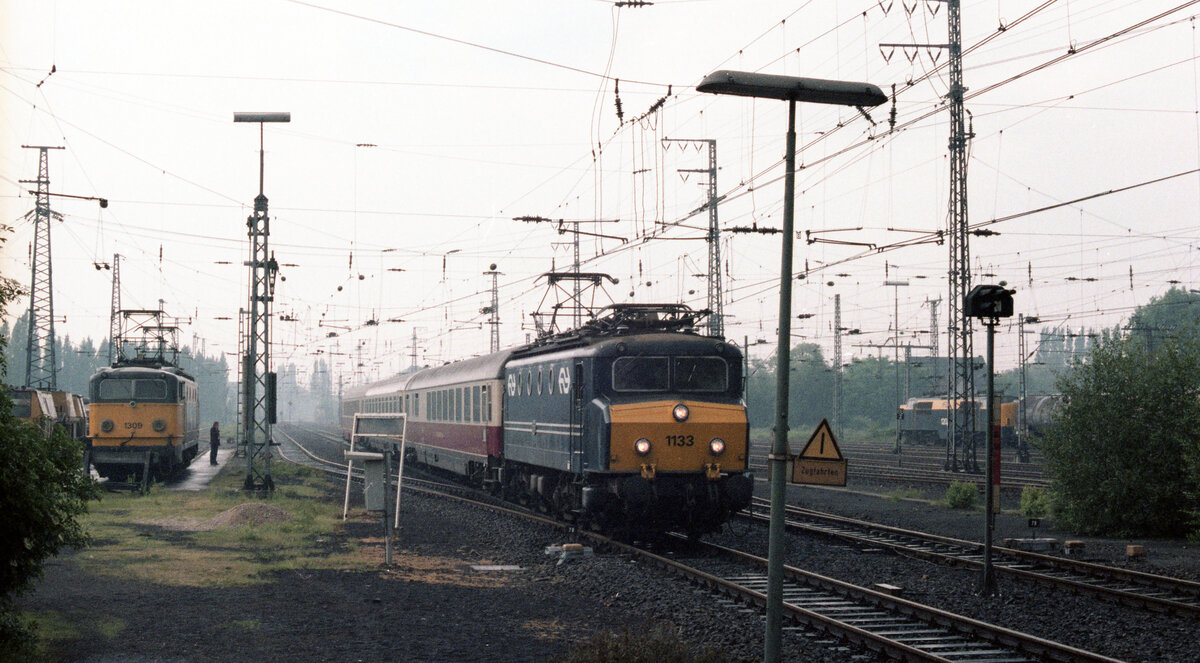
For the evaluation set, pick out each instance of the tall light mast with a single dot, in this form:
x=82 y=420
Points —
x=258 y=381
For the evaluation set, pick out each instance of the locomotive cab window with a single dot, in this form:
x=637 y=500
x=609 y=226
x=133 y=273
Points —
x=126 y=389
x=701 y=374
x=640 y=374
x=22 y=405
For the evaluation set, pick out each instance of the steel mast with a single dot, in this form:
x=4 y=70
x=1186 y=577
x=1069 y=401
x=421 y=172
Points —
x=960 y=448
x=258 y=381
x=41 y=364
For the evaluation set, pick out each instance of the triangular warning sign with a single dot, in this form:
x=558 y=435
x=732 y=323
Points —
x=822 y=445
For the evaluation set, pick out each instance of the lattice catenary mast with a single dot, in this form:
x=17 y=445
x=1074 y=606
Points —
x=114 y=309
x=41 y=365
x=716 y=319
x=960 y=383
x=960 y=448
x=493 y=310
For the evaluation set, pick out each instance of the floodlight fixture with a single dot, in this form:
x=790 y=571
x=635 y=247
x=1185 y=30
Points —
x=262 y=117
x=792 y=88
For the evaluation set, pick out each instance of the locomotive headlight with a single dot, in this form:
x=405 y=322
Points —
x=642 y=446
x=716 y=446
x=107 y=426
x=680 y=412
x=159 y=425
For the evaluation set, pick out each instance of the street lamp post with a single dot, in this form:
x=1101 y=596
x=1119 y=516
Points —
x=790 y=89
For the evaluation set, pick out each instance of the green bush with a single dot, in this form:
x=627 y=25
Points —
x=1035 y=502
x=655 y=643
x=1124 y=453
x=17 y=642
x=962 y=495
x=43 y=491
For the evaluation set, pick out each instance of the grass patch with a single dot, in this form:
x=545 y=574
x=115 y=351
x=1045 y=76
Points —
x=168 y=537
x=246 y=624
x=50 y=626
x=909 y=493
x=54 y=629
x=656 y=643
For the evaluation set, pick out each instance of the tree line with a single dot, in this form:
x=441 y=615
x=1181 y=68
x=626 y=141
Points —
x=216 y=376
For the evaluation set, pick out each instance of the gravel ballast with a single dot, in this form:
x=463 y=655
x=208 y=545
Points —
x=432 y=605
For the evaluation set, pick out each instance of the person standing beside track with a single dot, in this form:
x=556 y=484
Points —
x=214 y=442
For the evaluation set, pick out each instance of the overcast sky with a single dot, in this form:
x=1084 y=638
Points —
x=419 y=130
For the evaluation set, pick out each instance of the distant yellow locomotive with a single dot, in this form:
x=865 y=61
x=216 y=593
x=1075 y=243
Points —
x=34 y=406
x=143 y=419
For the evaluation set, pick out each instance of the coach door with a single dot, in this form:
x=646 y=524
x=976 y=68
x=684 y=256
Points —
x=576 y=462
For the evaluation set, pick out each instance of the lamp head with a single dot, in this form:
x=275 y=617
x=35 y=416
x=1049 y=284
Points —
x=794 y=88
x=262 y=117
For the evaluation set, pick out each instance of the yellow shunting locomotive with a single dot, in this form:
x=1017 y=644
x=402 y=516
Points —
x=143 y=419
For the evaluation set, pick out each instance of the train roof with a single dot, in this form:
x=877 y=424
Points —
x=487 y=367
x=633 y=344
x=623 y=329
x=125 y=370
x=386 y=386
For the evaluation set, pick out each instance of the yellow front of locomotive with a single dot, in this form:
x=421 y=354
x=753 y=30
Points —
x=135 y=425
x=678 y=436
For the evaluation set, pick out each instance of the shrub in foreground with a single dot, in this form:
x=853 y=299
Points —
x=962 y=495
x=1035 y=502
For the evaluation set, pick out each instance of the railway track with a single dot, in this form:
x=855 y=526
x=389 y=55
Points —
x=920 y=467
x=1134 y=588
x=891 y=473
x=902 y=629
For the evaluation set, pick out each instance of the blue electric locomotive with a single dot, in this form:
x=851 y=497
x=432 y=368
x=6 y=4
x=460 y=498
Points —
x=633 y=422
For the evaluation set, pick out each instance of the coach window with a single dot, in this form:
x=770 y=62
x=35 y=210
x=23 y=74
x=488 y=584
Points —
x=487 y=403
